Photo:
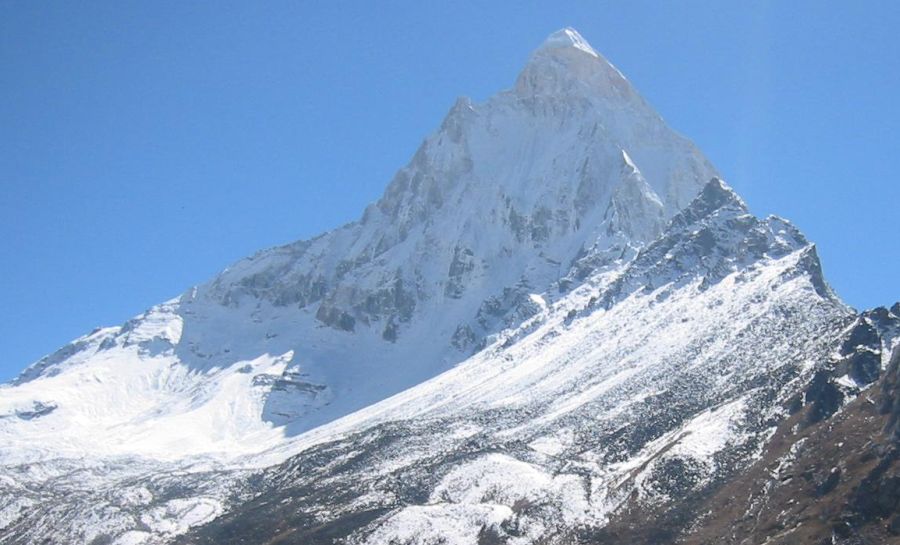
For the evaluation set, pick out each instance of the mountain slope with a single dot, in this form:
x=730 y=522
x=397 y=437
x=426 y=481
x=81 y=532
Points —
x=643 y=386
x=646 y=383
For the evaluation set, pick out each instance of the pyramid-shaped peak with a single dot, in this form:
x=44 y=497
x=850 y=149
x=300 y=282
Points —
x=719 y=194
x=566 y=64
x=567 y=38
x=716 y=195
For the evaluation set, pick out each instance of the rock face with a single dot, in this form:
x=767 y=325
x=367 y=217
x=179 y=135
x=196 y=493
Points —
x=558 y=325
x=832 y=481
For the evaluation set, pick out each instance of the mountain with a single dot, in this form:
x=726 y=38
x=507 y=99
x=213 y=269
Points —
x=567 y=172
x=557 y=325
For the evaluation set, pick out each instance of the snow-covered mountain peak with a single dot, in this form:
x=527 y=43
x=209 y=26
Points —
x=510 y=203
x=567 y=38
x=566 y=65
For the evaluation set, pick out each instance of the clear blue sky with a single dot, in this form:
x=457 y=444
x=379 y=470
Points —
x=145 y=146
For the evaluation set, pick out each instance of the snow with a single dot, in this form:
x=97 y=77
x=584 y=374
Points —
x=177 y=516
x=553 y=445
x=568 y=37
x=709 y=432
x=484 y=492
x=496 y=478
x=451 y=525
x=135 y=496
x=125 y=403
x=133 y=537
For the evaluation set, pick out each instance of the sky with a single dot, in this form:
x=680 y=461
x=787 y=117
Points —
x=146 y=146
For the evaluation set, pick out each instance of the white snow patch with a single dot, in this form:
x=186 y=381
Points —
x=133 y=537
x=552 y=445
x=443 y=523
x=178 y=516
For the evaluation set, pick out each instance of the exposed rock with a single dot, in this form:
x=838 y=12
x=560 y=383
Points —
x=463 y=338
x=824 y=397
x=863 y=335
x=460 y=267
x=830 y=482
x=37 y=410
x=336 y=318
